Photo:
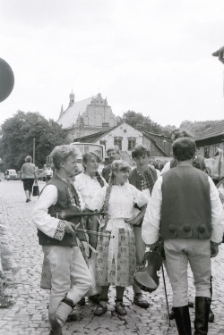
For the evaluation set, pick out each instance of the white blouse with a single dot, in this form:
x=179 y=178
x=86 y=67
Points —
x=88 y=187
x=121 y=202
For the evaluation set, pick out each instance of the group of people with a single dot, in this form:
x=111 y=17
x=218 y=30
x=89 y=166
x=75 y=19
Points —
x=126 y=212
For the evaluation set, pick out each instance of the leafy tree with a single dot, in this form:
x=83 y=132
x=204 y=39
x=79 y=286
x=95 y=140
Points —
x=17 y=134
x=144 y=123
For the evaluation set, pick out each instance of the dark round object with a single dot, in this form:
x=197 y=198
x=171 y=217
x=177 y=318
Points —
x=201 y=228
x=187 y=228
x=6 y=80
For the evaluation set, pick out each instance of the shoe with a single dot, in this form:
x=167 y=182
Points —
x=100 y=310
x=27 y=200
x=211 y=316
x=120 y=308
x=71 y=318
x=202 y=307
x=183 y=321
x=95 y=299
x=82 y=302
x=140 y=301
x=52 y=333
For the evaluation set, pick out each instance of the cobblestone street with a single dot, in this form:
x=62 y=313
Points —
x=29 y=315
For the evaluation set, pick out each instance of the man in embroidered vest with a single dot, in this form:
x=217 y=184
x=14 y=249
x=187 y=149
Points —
x=113 y=153
x=185 y=210
x=143 y=177
x=198 y=163
x=71 y=278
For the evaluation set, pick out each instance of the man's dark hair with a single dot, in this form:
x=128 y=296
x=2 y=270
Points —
x=139 y=151
x=178 y=133
x=184 y=149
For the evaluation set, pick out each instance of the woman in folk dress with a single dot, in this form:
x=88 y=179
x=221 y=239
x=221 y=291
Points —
x=88 y=184
x=116 y=255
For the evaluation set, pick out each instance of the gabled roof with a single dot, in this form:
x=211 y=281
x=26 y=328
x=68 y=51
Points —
x=71 y=114
x=213 y=131
x=96 y=136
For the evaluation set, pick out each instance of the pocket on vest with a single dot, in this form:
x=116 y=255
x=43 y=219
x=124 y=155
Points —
x=185 y=231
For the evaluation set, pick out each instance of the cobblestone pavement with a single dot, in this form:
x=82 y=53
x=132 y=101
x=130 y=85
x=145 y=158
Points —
x=28 y=314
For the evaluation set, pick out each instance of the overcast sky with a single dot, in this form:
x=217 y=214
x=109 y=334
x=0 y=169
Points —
x=150 y=56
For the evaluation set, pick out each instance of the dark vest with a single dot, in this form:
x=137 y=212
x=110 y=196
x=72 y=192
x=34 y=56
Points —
x=64 y=200
x=186 y=205
x=137 y=180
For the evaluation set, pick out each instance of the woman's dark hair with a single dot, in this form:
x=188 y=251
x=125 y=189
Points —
x=184 y=149
x=140 y=150
x=179 y=133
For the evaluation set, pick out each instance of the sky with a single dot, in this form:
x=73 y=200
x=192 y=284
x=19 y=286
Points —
x=149 y=56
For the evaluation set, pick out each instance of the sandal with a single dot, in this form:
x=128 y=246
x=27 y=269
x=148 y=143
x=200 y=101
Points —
x=120 y=308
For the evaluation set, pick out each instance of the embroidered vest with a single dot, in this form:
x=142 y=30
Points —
x=186 y=205
x=66 y=194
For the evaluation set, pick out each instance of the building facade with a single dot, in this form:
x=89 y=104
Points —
x=210 y=140
x=86 y=117
x=127 y=137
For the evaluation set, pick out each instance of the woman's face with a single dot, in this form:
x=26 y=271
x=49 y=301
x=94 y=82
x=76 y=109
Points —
x=121 y=177
x=92 y=165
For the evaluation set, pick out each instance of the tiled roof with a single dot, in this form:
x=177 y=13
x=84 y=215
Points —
x=214 y=130
x=93 y=137
x=71 y=114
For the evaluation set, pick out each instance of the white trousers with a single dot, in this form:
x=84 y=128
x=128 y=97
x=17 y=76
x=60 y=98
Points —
x=70 y=275
x=178 y=253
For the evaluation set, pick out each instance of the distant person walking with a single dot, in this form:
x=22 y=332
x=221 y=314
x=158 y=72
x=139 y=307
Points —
x=28 y=171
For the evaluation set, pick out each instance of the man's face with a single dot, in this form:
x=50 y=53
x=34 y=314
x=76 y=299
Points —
x=113 y=155
x=69 y=165
x=142 y=161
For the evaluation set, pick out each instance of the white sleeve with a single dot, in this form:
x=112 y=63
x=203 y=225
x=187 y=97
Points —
x=151 y=221
x=217 y=221
x=49 y=225
x=166 y=168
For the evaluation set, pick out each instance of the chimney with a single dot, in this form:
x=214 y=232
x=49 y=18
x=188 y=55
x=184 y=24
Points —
x=106 y=126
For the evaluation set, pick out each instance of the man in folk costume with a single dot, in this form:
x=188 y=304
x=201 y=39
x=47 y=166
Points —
x=143 y=177
x=185 y=210
x=199 y=163
x=113 y=153
x=70 y=276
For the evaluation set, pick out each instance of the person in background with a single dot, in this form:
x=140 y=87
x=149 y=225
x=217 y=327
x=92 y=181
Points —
x=70 y=276
x=143 y=177
x=185 y=210
x=88 y=183
x=198 y=161
x=48 y=173
x=113 y=153
x=28 y=171
x=116 y=257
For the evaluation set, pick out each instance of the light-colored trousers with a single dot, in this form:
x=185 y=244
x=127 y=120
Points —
x=140 y=251
x=70 y=275
x=178 y=253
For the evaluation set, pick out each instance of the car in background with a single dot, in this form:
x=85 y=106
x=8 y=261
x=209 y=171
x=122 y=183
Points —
x=11 y=174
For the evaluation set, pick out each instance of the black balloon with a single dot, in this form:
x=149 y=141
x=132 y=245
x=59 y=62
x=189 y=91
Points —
x=6 y=80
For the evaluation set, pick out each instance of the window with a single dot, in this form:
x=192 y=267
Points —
x=103 y=143
x=118 y=142
x=131 y=143
x=206 y=152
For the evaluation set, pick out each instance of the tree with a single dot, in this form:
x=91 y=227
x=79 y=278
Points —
x=18 y=132
x=144 y=123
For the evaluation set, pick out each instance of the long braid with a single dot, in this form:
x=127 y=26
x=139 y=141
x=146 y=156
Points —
x=149 y=180
x=99 y=179
x=107 y=197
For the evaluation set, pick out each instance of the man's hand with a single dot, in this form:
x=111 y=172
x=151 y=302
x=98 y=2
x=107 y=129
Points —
x=214 y=249
x=70 y=227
